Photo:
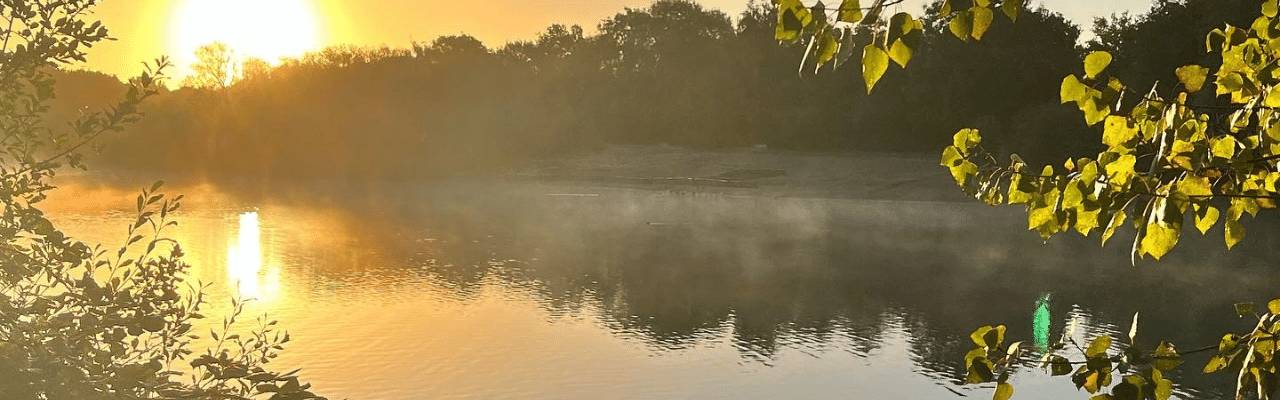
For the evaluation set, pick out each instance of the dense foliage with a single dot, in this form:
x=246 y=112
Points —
x=79 y=321
x=1170 y=157
x=672 y=73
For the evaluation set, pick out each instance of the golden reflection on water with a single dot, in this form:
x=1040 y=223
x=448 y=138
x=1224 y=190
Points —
x=750 y=298
x=246 y=269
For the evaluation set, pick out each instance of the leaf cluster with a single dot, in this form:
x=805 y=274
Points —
x=1132 y=373
x=829 y=32
x=1168 y=162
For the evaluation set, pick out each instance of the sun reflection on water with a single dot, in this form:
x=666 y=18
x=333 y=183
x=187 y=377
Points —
x=246 y=269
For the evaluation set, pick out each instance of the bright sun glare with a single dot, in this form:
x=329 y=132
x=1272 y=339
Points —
x=266 y=29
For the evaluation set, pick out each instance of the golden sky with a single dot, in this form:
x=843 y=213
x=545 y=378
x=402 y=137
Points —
x=270 y=29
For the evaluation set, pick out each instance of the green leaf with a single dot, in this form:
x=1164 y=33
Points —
x=1159 y=239
x=1193 y=77
x=1095 y=63
x=1012 y=8
x=1098 y=347
x=875 y=62
x=900 y=53
x=982 y=18
x=850 y=11
x=1072 y=90
x=1004 y=391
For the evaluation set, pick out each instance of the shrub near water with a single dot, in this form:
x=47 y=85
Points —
x=78 y=321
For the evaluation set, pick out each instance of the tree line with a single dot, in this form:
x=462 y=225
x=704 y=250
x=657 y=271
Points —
x=672 y=73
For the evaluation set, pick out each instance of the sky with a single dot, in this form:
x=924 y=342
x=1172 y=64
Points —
x=271 y=29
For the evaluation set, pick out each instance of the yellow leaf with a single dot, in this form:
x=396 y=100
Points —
x=951 y=157
x=961 y=25
x=1224 y=146
x=900 y=53
x=1117 y=132
x=1193 y=77
x=1072 y=90
x=850 y=11
x=1195 y=186
x=1086 y=221
x=963 y=171
x=1117 y=221
x=1004 y=391
x=1273 y=97
x=875 y=62
x=1041 y=217
x=1095 y=63
x=1234 y=232
x=1159 y=239
x=1206 y=217
x=982 y=18
x=966 y=139
x=1120 y=170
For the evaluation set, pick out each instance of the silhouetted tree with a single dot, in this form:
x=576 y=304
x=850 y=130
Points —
x=214 y=68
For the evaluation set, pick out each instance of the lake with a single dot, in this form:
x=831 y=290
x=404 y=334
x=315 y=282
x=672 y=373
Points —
x=534 y=290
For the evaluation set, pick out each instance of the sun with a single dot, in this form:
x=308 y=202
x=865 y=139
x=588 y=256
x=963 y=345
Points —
x=265 y=29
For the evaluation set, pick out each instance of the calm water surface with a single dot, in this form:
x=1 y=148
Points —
x=544 y=291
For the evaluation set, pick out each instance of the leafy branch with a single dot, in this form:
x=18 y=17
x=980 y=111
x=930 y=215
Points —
x=1132 y=373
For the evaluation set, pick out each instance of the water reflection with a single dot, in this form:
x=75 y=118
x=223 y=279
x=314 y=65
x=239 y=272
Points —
x=503 y=290
x=251 y=277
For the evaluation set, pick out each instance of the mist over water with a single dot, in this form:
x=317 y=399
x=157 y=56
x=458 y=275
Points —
x=526 y=289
